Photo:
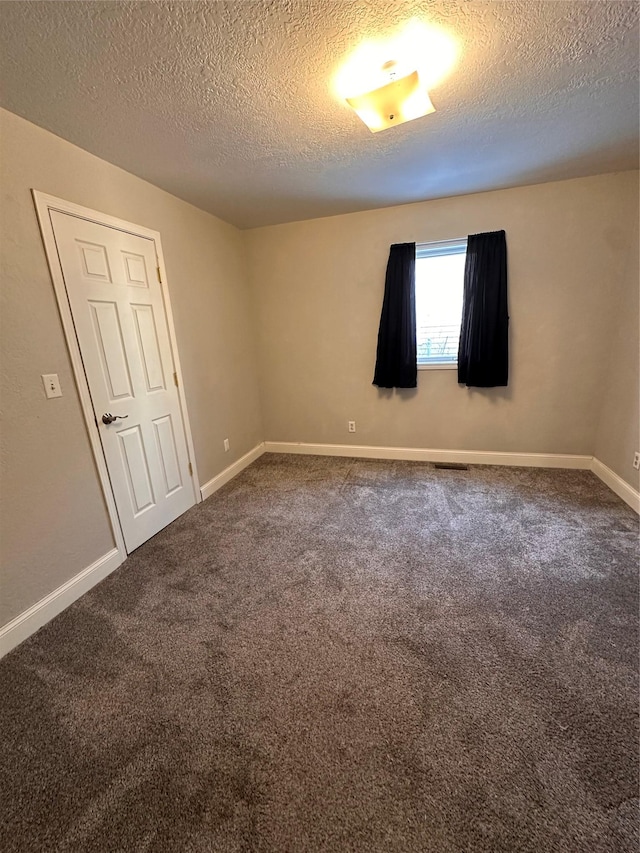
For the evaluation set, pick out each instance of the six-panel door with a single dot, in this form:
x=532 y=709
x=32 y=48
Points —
x=120 y=321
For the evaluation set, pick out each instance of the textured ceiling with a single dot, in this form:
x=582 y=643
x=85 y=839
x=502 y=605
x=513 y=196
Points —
x=230 y=104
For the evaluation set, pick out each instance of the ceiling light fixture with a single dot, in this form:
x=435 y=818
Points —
x=401 y=99
x=387 y=83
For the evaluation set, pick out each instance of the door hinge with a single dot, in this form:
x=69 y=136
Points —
x=190 y=469
x=159 y=274
x=175 y=379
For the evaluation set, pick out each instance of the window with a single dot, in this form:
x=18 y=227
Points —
x=439 y=285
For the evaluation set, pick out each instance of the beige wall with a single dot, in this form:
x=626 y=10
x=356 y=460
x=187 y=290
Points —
x=54 y=522
x=315 y=295
x=318 y=289
x=618 y=434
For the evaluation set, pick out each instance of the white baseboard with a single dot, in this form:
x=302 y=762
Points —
x=471 y=457
x=625 y=491
x=43 y=611
x=420 y=454
x=232 y=471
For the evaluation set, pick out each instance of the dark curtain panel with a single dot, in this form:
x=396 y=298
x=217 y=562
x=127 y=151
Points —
x=483 y=354
x=396 y=356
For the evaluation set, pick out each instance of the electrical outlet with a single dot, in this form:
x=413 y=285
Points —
x=636 y=460
x=352 y=426
x=226 y=445
x=51 y=385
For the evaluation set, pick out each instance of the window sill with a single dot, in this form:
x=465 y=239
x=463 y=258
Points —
x=443 y=365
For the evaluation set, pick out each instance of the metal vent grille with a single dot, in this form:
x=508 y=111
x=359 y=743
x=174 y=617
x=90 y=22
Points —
x=451 y=466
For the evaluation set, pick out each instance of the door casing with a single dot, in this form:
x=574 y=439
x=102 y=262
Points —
x=45 y=203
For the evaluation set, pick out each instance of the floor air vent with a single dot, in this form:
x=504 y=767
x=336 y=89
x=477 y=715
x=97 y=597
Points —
x=451 y=466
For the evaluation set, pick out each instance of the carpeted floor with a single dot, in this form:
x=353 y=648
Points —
x=342 y=655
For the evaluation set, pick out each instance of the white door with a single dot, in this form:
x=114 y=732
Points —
x=120 y=321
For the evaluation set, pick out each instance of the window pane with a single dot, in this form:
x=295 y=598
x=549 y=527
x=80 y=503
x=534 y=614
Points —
x=439 y=283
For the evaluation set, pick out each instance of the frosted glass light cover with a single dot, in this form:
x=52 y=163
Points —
x=395 y=103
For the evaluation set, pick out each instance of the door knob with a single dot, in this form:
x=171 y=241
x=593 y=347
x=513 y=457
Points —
x=108 y=418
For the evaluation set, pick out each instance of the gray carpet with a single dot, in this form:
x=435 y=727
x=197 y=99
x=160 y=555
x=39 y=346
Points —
x=342 y=655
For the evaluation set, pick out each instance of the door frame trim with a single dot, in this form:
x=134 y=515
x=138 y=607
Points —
x=44 y=205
